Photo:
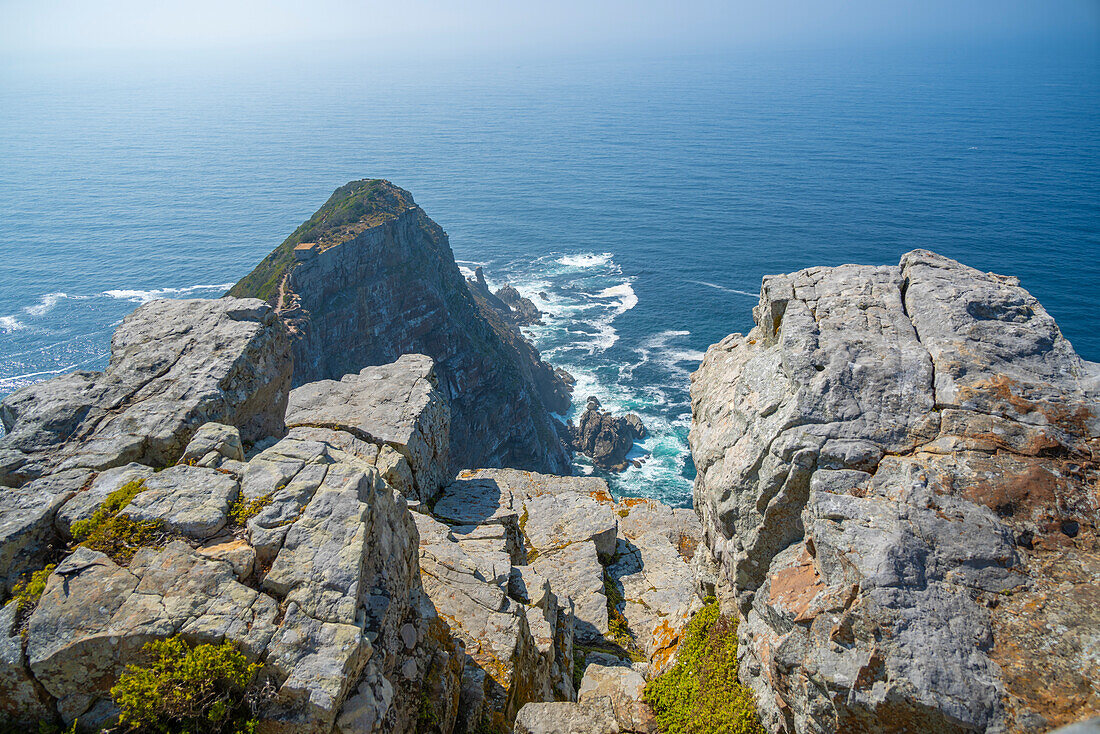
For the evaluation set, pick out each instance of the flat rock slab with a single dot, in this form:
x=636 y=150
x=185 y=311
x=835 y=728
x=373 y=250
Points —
x=556 y=520
x=594 y=716
x=175 y=365
x=94 y=617
x=575 y=571
x=190 y=500
x=394 y=404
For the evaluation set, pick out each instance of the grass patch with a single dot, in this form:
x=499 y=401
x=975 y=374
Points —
x=197 y=690
x=111 y=532
x=701 y=694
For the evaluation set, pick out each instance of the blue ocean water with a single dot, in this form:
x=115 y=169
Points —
x=637 y=200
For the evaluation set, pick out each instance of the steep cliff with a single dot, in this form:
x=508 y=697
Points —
x=897 y=470
x=370 y=277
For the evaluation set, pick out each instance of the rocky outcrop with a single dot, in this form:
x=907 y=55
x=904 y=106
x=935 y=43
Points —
x=606 y=438
x=507 y=302
x=564 y=539
x=524 y=311
x=174 y=366
x=371 y=277
x=897 y=471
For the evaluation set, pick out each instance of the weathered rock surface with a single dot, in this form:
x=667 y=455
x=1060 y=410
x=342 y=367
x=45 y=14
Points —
x=322 y=586
x=394 y=405
x=624 y=686
x=376 y=279
x=504 y=541
x=174 y=366
x=606 y=438
x=189 y=500
x=27 y=517
x=594 y=716
x=897 y=471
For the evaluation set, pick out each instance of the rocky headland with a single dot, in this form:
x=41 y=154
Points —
x=896 y=508
x=370 y=277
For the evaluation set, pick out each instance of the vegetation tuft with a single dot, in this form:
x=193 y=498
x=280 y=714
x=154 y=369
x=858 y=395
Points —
x=27 y=592
x=701 y=694
x=241 y=511
x=370 y=201
x=110 y=531
x=194 y=690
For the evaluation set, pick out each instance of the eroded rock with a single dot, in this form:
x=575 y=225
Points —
x=174 y=366
x=883 y=461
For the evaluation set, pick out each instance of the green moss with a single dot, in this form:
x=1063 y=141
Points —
x=701 y=694
x=108 y=531
x=187 y=689
x=368 y=201
x=27 y=592
x=241 y=511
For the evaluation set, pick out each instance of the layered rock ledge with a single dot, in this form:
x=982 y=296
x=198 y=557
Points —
x=897 y=470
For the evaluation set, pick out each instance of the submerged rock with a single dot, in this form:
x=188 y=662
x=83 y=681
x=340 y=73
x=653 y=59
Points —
x=891 y=465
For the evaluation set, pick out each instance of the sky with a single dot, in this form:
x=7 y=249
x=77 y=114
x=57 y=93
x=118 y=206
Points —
x=434 y=27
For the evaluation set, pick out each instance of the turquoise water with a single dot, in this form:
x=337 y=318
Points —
x=637 y=201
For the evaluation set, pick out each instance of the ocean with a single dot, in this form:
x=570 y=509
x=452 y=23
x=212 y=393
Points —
x=637 y=200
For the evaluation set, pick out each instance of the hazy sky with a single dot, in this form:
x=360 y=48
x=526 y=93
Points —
x=417 y=27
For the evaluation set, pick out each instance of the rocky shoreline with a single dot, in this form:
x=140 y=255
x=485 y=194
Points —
x=357 y=482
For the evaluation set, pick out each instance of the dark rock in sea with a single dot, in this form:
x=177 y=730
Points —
x=886 y=463
x=524 y=311
x=370 y=277
x=606 y=438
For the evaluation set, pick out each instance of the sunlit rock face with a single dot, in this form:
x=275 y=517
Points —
x=897 y=471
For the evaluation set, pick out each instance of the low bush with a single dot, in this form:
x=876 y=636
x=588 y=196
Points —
x=110 y=531
x=27 y=592
x=700 y=693
x=197 y=690
x=241 y=511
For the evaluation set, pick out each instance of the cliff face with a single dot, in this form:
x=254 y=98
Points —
x=897 y=470
x=376 y=279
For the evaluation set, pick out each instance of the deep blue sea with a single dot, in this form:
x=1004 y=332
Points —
x=644 y=198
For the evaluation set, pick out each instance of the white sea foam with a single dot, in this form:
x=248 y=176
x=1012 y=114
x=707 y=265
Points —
x=47 y=302
x=8 y=324
x=625 y=293
x=585 y=260
x=724 y=288
x=139 y=296
x=466 y=272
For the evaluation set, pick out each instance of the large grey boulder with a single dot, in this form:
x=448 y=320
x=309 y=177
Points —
x=174 y=366
x=189 y=500
x=395 y=405
x=593 y=716
x=27 y=516
x=894 y=472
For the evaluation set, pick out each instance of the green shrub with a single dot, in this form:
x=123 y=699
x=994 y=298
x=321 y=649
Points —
x=27 y=592
x=115 y=534
x=196 y=690
x=701 y=694
x=241 y=511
